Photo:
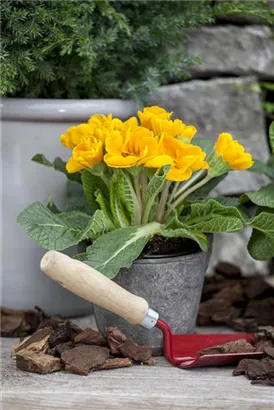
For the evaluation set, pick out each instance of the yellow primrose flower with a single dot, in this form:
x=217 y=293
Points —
x=233 y=152
x=158 y=120
x=85 y=155
x=74 y=135
x=152 y=114
x=130 y=147
x=183 y=158
x=103 y=125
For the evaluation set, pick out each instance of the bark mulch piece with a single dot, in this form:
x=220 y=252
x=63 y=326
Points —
x=237 y=346
x=243 y=303
x=82 y=359
x=37 y=362
x=20 y=323
x=58 y=344
x=259 y=370
x=115 y=363
x=120 y=343
x=90 y=337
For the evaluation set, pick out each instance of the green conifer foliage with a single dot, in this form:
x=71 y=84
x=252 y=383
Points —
x=100 y=49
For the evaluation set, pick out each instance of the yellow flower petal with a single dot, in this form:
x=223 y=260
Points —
x=73 y=166
x=159 y=161
x=118 y=161
x=176 y=174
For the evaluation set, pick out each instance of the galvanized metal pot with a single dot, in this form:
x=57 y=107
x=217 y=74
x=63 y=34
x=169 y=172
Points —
x=171 y=285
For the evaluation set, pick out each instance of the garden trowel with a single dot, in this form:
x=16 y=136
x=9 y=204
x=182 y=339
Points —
x=180 y=350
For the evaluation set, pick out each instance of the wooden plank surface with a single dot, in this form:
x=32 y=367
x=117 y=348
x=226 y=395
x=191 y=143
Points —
x=140 y=387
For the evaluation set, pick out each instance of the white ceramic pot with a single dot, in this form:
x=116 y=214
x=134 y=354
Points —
x=29 y=127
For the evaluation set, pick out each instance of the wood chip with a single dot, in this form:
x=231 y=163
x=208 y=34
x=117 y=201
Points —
x=244 y=324
x=269 y=351
x=115 y=337
x=269 y=331
x=228 y=270
x=262 y=310
x=141 y=354
x=62 y=347
x=261 y=342
x=19 y=323
x=90 y=337
x=114 y=363
x=81 y=359
x=237 y=346
x=61 y=333
x=38 y=342
x=255 y=287
x=241 y=368
x=37 y=362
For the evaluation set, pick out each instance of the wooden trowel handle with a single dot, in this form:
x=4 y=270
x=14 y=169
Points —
x=91 y=285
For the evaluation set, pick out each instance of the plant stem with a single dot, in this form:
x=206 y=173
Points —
x=185 y=194
x=138 y=192
x=143 y=184
x=189 y=183
x=163 y=201
x=173 y=192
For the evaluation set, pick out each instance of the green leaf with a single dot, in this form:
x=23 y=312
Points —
x=118 y=249
x=76 y=219
x=80 y=256
x=60 y=231
x=271 y=137
x=47 y=229
x=128 y=198
x=206 y=189
x=263 y=197
x=91 y=185
x=51 y=206
x=261 y=243
x=156 y=183
x=154 y=187
x=76 y=200
x=262 y=168
x=59 y=165
x=200 y=238
x=211 y=216
x=227 y=201
x=117 y=210
x=98 y=225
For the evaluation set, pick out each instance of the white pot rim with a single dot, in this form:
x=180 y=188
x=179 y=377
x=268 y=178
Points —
x=32 y=109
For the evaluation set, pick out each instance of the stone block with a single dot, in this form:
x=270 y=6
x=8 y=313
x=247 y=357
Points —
x=222 y=105
x=232 y=49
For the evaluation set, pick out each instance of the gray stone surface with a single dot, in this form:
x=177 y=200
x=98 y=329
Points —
x=172 y=286
x=222 y=105
x=232 y=49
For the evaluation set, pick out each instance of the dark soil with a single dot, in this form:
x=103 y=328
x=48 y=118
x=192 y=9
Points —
x=160 y=246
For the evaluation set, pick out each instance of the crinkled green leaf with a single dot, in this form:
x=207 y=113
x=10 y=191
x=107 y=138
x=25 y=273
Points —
x=211 y=216
x=118 y=211
x=128 y=198
x=261 y=243
x=59 y=165
x=98 y=225
x=263 y=197
x=47 y=229
x=91 y=185
x=156 y=183
x=60 y=231
x=200 y=238
x=118 y=249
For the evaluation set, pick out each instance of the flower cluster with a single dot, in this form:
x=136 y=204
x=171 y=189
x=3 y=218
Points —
x=153 y=141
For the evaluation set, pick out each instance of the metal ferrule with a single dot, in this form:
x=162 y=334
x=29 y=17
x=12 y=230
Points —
x=150 y=319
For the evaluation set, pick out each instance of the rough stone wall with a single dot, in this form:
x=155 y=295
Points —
x=223 y=96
